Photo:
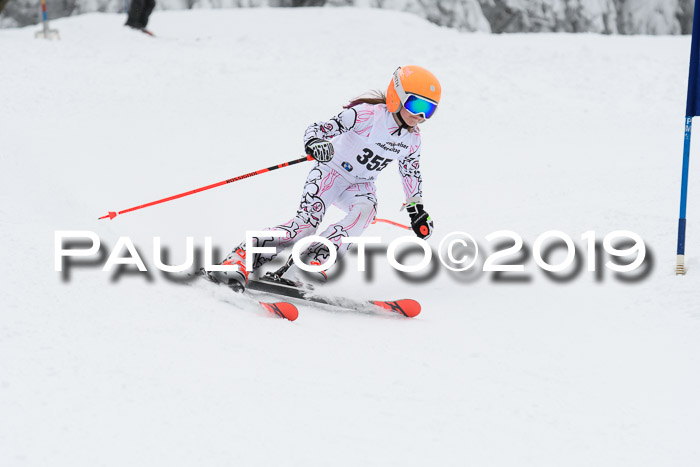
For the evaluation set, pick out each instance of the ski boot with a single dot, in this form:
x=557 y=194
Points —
x=236 y=279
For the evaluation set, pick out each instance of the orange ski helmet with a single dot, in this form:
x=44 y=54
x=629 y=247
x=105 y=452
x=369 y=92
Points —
x=414 y=88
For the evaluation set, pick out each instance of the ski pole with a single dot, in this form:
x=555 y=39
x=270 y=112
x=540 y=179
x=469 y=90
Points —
x=112 y=214
x=46 y=32
x=387 y=221
x=44 y=18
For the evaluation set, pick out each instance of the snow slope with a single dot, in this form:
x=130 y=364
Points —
x=534 y=133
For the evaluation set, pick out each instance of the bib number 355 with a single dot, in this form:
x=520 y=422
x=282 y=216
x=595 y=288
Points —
x=373 y=161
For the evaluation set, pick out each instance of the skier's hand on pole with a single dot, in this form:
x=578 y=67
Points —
x=319 y=149
x=421 y=223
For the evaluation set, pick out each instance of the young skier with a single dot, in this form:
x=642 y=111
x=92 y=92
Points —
x=351 y=149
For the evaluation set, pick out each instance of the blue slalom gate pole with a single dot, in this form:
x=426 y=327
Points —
x=691 y=108
x=680 y=251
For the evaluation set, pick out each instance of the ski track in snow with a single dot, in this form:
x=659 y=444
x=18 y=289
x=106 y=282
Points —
x=534 y=133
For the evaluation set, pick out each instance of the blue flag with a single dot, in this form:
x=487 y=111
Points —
x=692 y=103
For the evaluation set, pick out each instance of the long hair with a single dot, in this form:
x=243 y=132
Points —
x=373 y=97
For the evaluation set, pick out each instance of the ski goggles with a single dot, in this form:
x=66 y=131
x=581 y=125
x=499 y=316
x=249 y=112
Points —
x=419 y=105
x=414 y=103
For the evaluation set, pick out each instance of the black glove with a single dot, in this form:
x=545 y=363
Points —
x=319 y=149
x=421 y=223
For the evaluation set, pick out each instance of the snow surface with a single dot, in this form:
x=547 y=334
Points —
x=538 y=132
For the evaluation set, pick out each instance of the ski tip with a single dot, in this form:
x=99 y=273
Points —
x=407 y=307
x=282 y=309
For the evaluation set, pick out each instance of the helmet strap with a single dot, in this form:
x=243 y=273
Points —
x=402 y=123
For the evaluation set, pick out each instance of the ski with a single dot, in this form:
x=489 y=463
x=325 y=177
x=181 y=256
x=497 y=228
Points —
x=284 y=310
x=272 y=285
